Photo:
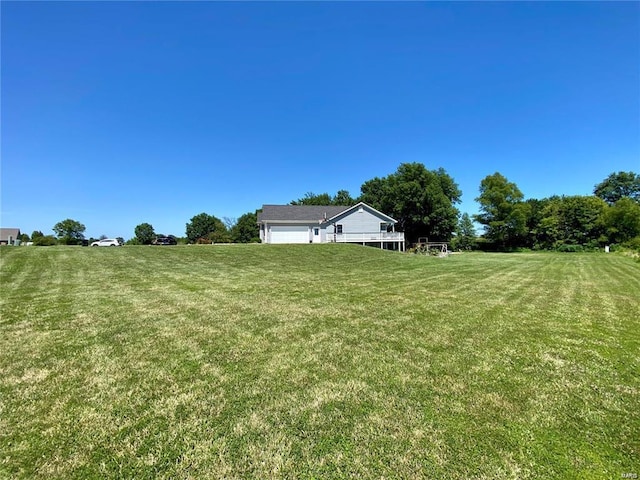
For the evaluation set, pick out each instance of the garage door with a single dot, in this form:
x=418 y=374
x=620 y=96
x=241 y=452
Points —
x=290 y=234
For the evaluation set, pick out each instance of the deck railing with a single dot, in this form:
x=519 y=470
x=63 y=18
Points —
x=366 y=237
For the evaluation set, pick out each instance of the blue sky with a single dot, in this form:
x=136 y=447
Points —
x=119 y=113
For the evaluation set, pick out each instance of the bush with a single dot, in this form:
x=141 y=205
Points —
x=593 y=246
x=570 y=248
x=485 y=245
x=633 y=244
x=45 y=241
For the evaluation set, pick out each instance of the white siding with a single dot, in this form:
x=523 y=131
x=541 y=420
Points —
x=358 y=221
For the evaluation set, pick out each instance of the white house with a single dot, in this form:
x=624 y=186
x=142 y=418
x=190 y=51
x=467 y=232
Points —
x=360 y=223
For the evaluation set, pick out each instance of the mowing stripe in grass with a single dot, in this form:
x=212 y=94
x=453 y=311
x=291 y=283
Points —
x=317 y=361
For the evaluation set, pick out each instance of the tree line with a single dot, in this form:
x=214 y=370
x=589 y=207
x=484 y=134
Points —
x=567 y=223
x=424 y=203
x=202 y=228
x=205 y=229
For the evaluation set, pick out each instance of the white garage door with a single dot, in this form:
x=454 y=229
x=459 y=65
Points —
x=290 y=234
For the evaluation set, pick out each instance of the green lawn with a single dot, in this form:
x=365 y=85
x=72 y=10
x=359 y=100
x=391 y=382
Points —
x=317 y=361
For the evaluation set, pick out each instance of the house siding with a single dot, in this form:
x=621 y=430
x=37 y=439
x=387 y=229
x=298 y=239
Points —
x=357 y=221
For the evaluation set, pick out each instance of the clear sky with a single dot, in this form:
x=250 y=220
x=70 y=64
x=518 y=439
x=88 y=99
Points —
x=119 y=113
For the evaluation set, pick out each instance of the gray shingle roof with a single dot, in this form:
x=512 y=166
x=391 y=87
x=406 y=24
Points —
x=5 y=233
x=299 y=213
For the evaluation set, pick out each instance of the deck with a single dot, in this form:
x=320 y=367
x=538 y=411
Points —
x=396 y=238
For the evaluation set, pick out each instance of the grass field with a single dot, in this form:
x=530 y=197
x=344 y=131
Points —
x=327 y=361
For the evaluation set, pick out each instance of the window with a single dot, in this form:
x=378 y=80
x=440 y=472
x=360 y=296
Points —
x=316 y=231
x=338 y=228
x=383 y=227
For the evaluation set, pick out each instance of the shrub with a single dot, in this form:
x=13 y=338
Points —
x=45 y=241
x=570 y=248
x=633 y=244
x=593 y=246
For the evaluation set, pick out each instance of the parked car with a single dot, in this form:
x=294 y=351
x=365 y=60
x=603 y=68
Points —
x=168 y=240
x=106 y=242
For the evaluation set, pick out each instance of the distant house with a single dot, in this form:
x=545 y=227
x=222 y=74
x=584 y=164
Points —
x=360 y=223
x=8 y=236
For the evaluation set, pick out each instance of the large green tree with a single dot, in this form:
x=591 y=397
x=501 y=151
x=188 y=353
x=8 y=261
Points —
x=572 y=220
x=619 y=185
x=144 y=233
x=503 y=213
x=465 y=234
x=204 y=227
x=423 y=201
x=69 y=231
x=536 y=237
x=341 y=198
x=311 y=198
x=622 y=221
x=246 y=229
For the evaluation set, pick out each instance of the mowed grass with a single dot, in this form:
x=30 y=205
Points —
x=329 y=361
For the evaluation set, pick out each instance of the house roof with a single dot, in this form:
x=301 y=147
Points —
x=5 y=233
x=310 y=213
x=299 y=213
